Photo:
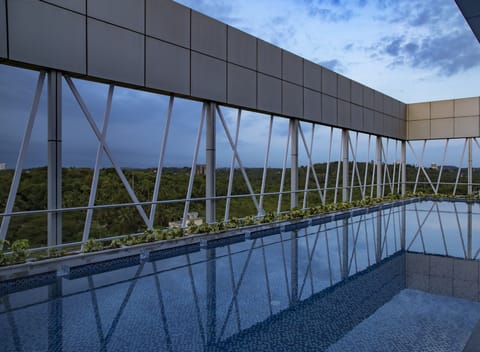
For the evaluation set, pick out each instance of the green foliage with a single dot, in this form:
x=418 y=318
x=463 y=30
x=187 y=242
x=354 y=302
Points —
x=92 y=245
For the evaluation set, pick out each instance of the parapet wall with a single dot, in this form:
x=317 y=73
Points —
x=162 y=46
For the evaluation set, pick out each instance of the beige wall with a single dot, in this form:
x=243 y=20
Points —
x=455 y=118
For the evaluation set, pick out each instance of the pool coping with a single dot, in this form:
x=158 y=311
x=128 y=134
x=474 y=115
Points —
x=62 y=266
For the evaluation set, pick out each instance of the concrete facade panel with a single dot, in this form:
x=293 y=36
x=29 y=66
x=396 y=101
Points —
x=378 y=123
x=344 y=88
x=312 y=76
x=357 y=117
x=329 y=82
x=466 y=127
x=344 y=114
x=167 y=67
x=368 y=98
x=242 y=86
x=269 y=59
x=128 y=13
x=441 y=128
x=441 y=109
x=419 y=129
x=312 y=105
x=242 y=48
x=169 y=21
x=292 y=99
x=398 y=109
x=209 y=78
x=74 y=5
x=419 y=111
x=368 y=120
x=209 y=36
x=356 y=93
x=3 y=29
x=33 y=24
x=269 y=94
x=388 y=106
x=329 y=109
x=389 y=125
x=378 y=101
x=467 y=107
x=115 y=53
x=292 y=68
x=403 y=111
x=402 y=129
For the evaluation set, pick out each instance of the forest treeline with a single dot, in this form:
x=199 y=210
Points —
x=32 y=195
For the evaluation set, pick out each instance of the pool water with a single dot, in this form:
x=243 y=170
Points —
x=337 y=286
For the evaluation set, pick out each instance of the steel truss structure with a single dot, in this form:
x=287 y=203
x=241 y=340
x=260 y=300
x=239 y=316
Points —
x=387 y=174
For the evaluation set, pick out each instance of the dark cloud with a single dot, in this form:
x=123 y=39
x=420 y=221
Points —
x=334 y=65
x=419 y=13
x=446 y=54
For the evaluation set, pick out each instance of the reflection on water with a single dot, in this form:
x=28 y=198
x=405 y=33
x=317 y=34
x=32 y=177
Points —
x=309 y=286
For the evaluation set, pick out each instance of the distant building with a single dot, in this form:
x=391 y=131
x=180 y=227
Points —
x=200 y=169
x=3 y=166
x=434 y=166
x=192 y=218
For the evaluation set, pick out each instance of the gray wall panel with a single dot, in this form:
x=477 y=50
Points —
x=209 y=36
x=368 y=120
x=3 y=29
x=378 y=123
x=242 y=48
x=292 y=102
x=187 y=53
x=269 y=59
x=209 y=78
x=167 y=67
x=269 y=94
x=128 y=13
x=329 y=82
x=74 y=5
x=357 y=93
x=168 y=21
x=344 y=114
x=344 y=88
x=32 y=27
x=368 y=98
x=357 y=117
x=403 y=111
x=378 y=101
x=292 y=70
x=329 y=109
x=242 y=86
x=312 y=105
x=388 y=106
x=312 y=75
x=115 y=53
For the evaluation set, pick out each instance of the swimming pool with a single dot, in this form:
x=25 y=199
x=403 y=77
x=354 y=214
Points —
x=310 y=286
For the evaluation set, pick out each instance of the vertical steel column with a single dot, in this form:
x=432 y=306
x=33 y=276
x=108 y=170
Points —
x=469 y=166
x=210 y=145
x=345 y=186
x=403 y=228
x=379 y=167
x=404 y=168
x=54 y=157
x=294 y=164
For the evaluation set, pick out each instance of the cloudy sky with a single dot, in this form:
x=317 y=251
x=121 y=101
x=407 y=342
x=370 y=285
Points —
x=413 y=50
